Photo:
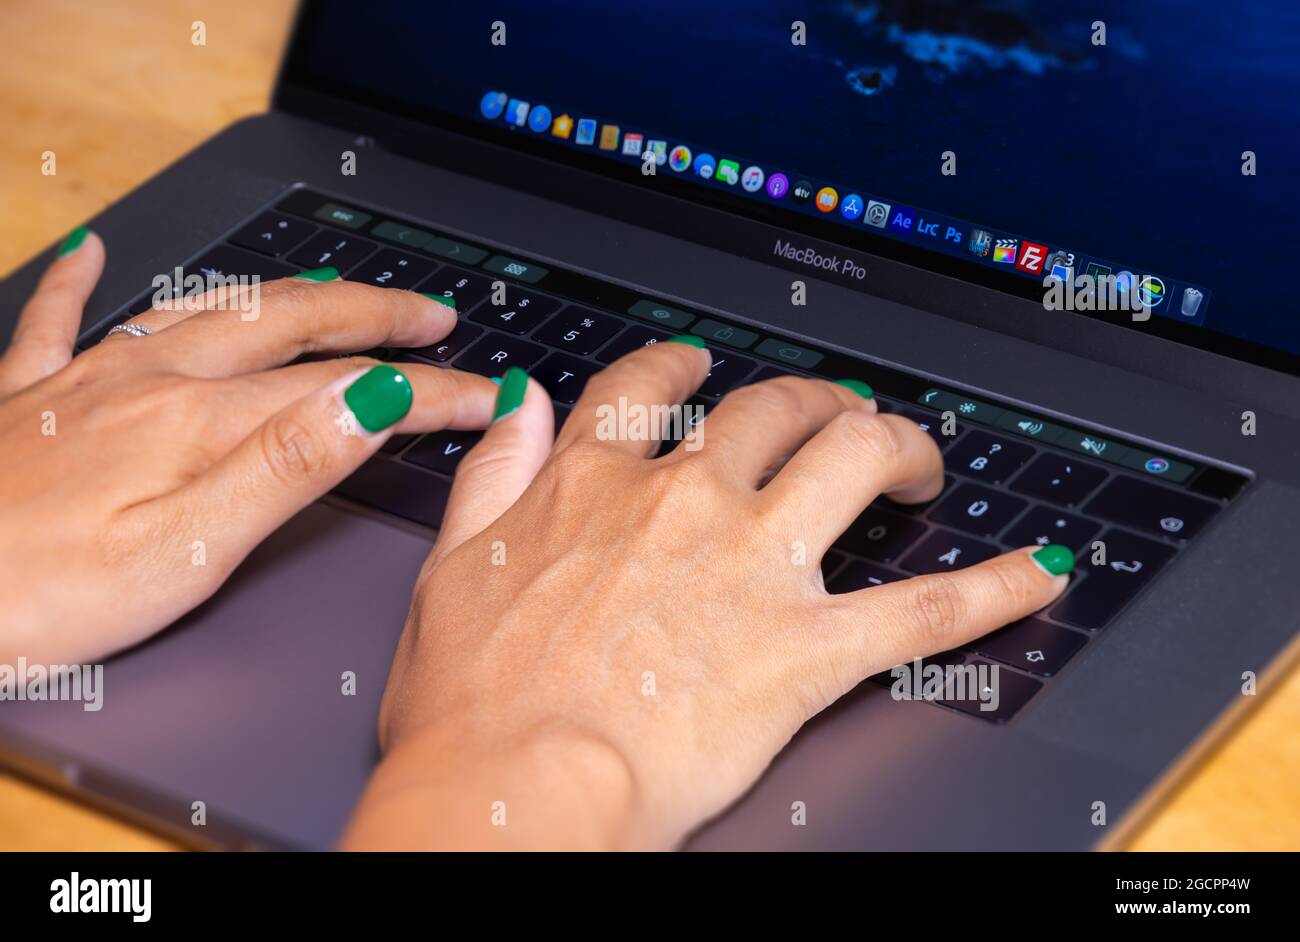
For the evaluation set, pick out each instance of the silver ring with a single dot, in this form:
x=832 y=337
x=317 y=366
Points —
x=135 y=330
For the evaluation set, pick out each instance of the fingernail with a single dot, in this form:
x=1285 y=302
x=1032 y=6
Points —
x=328 y=273
x=689 y=339
x=514 y=385
x=379 y=398
x=441 y=299
x=73 y=241
x=1056 y=560
x=858 y=386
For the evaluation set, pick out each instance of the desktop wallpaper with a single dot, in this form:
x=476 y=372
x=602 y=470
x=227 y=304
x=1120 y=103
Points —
x=1130 y=151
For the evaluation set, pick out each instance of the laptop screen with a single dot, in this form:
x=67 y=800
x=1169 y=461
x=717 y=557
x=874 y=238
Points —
x=1132 y=161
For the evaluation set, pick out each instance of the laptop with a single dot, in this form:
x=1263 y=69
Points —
x=1044 y=239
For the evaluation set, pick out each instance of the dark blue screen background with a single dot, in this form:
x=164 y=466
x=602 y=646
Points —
x=1130 y=152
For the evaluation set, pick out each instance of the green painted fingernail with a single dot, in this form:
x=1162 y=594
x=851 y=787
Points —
x=858 y=386
x=328 y=273
x=73 y=241
x=379 y=398
x=441 y=299
x=1056 y=559
x=689 y=339
x=514 y=385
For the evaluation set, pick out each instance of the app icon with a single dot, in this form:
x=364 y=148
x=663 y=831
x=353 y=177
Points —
x=704 y=165
x=609 y=137
x=827 y=198
x=877 y=214
x=493 y=104
x=632 y=144
x=679 y=158
x=728 y=172
x=778 y=184
x=1060 y=265
x=539 y=119
x=1032 y=256
x=802 y=191
x=517 y=112
x=903 y=219
x=586 y=130
x=752 y=179
x=562 y=127
x=1095 y=271
x=851 y=207
x=1004 y=251
x=1151 y=291
x=1157 y=465
x=1191 y=302
x=659 y=149
x=981 y=241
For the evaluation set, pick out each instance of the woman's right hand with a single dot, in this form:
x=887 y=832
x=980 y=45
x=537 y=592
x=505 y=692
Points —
x=607 y=649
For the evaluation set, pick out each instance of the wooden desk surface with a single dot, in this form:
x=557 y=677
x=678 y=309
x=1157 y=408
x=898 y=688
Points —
x=117 y=91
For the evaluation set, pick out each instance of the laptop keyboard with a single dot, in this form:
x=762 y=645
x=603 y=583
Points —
x=1014 y=478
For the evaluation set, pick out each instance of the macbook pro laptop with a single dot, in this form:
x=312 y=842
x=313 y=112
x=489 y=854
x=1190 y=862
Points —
x=1060 y=243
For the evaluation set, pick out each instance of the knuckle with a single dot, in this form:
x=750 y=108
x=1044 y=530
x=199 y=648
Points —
x=871 y=435
x=291 y=450
x=938 y=606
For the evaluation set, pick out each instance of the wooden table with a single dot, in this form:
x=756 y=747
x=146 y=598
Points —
x=117 y=91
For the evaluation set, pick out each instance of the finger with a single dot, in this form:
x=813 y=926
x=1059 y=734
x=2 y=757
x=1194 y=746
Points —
x=291 y=317
x=244 y=402
x=167 y=307
x=46 y=331
x=755 y=429
x=308 y=447
x=496 y=471
x=659 y=375
x=873 y=629
x=857 y=457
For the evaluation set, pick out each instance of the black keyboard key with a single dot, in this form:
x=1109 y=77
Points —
x=1151 y=507
x=579 y=331
x=522 y=311
x=226 y=261
x=860 y=574
x=399 y=489
x=1130 y=563
x=564 y=376
x=934 y=426
x=1058 y=478
x=393 y=268
x=726 y=374
x=1032 y=645
x=331 y=248
x=987 y=457
x=442 y=451
x=461 y=336
x=946 y=551
x=996 y=694
x=494 y=354
x=915 y=510
x=831 y=564
x=880 y=535
x=634 y=338
x=396 y=443
x=977 y=510
x=1044 y=525
x=460 y=286
x=273 y=234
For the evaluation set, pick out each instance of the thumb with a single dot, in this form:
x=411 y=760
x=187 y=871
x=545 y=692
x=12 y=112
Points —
x=493 y=475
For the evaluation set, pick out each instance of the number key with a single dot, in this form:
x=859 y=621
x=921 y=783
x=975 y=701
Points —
x=392 y=268
x=521 y=312
x=579 y=331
